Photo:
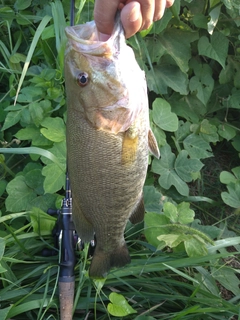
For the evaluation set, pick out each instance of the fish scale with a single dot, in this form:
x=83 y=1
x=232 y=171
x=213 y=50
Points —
x=108 y=140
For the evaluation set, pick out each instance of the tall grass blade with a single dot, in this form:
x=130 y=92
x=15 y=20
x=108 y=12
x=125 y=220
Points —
x=32 y=150
x=36 y=37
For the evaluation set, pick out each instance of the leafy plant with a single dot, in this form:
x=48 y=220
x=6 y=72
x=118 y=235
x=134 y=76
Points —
x=185 y=259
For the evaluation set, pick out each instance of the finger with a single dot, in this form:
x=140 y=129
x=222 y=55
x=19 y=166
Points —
x=104 y=14
x=131 y=18
x=160 y=6
x=169 y=3
x=147 y=9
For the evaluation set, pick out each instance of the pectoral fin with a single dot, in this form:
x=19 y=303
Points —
x=152 y=144
x=129 y=146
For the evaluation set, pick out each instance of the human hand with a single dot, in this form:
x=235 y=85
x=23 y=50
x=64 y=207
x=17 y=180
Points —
x=136 y=15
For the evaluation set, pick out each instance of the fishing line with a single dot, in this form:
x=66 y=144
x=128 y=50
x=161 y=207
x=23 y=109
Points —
x=72 y=13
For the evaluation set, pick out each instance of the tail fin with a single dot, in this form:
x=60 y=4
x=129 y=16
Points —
x=102 y=261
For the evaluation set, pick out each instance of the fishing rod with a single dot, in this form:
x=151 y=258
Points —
x=66 y=280
x=65 y=240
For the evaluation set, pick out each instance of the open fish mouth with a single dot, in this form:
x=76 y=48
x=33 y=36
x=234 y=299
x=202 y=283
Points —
x=87 y=40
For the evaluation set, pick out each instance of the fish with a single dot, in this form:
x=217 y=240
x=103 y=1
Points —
x=108 y=140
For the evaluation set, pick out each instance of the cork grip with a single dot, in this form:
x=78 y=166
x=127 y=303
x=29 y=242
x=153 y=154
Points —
x=66 y=297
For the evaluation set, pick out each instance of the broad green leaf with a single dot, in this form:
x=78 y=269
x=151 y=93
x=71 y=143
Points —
x=166 y=162
x=197 y=147
x=163 y=77
x=211 y=231
x=48 y=32
x=213 y=3
x=217 y=49
x=231 y=4
x=55 y=178
x=159 y=135
x=17 y=57
x=185 y=166
x=41 y=221
x=214 y=14
x=30 y=93
x=22 y=4
x=170 y=211
x=54 y=129
x=227 y=177
x=11 y=119
x=195 y=247
x=226 y=131
x=232 y=197
x=155 y=225
x=200 y=21
x=173 y=240
x=202 y=83
x=152 y=199
x=162 y=115
x=226 y=75
x=236 y=172
x=161 y=24
x=177 y=43
x=227 y=278
x=235 y=99
x=119 y=307
x=44 y=202
x=188 y=107
x=34 y=180
x=19 y=194
x=55 y=175
x=236 y=142
x=168 y=176
x=185 y=214
x=183 y=130
x=33 y=133
x=36 y=113
x=179 y=214
x=208 y=131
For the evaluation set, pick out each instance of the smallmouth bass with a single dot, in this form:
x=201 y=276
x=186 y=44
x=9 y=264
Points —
x=108 y=140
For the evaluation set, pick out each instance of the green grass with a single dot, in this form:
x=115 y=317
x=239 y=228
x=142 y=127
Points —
x=158 y=284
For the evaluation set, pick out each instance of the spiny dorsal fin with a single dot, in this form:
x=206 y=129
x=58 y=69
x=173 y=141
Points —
x=152 y=144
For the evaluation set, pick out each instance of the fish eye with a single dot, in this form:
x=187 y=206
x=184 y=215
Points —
x=82 y=79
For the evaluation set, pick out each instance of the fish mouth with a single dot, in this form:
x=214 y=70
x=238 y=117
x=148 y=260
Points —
x=85 y=38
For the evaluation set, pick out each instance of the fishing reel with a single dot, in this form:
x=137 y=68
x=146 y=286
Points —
x=65 y=236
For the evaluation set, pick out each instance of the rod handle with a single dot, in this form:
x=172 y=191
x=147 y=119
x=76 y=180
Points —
x=66 y=298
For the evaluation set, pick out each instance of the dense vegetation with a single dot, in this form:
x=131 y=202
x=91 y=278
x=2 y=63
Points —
x=185 y=257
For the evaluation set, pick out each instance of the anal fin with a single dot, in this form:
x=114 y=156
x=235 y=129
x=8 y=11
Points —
x=137 y=215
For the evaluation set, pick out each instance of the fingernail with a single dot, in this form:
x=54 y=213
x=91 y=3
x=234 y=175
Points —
x=103 y=37
x=134 y=14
